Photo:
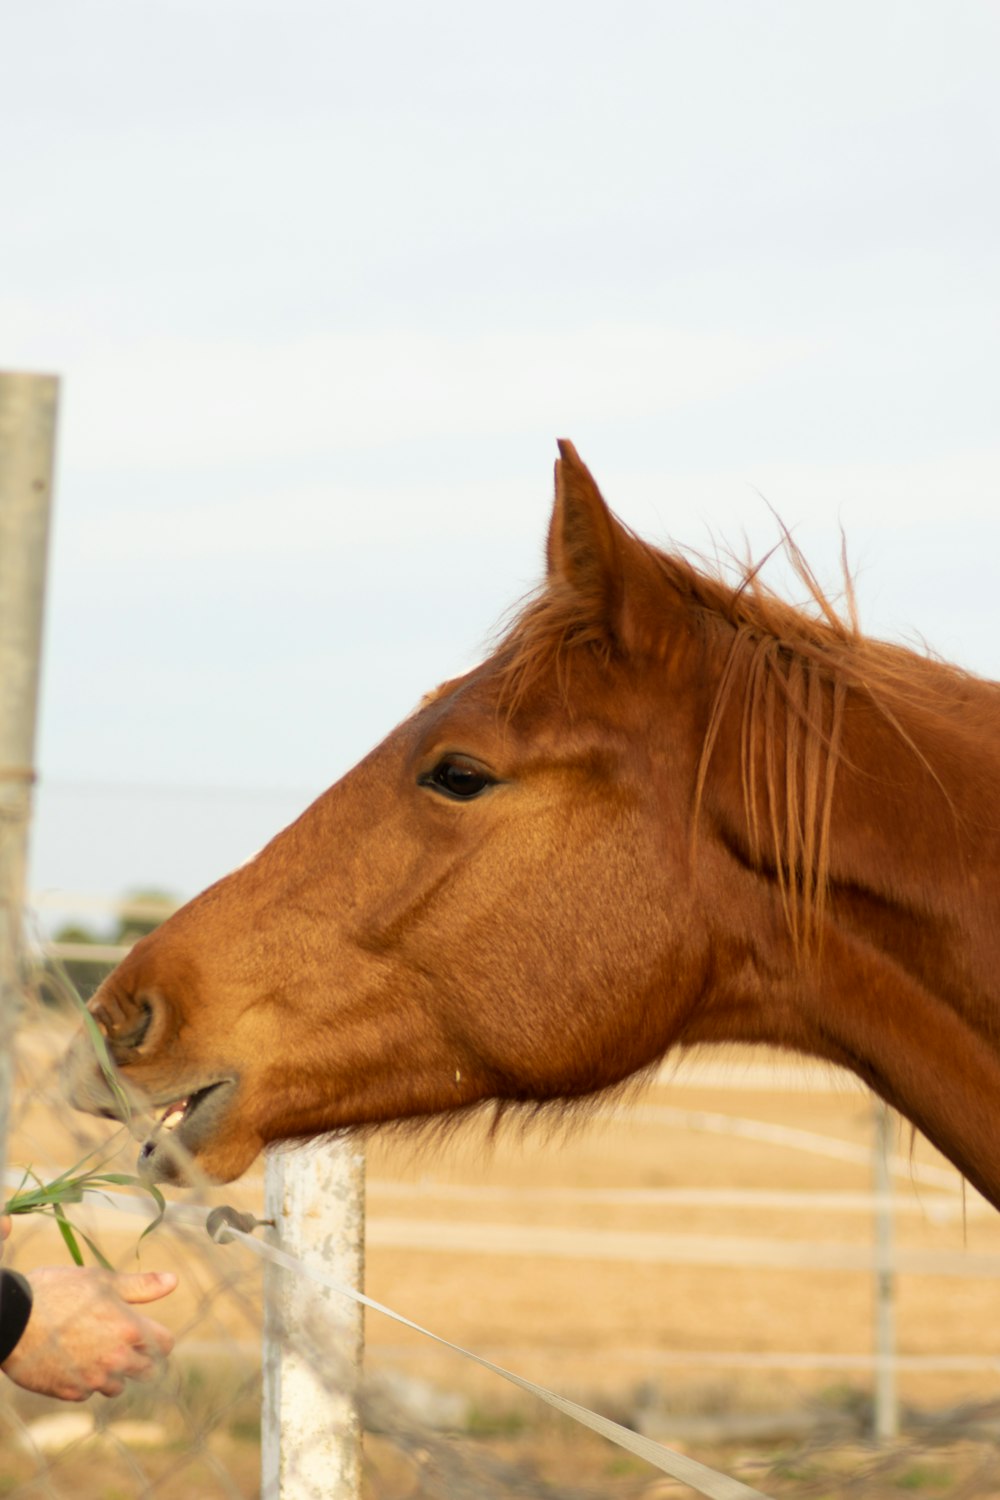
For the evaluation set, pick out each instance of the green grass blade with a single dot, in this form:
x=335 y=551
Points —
x=51 y=1198
x=66 y=1230
x=161 y=1204
x=107 y=1067
x=95 y=1250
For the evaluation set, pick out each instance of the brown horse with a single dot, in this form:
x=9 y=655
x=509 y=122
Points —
x=666 y=811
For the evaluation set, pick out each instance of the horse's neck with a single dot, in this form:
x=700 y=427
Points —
x=918 y=1052
x=904 y=987
x=909 y=993
x=915 y=843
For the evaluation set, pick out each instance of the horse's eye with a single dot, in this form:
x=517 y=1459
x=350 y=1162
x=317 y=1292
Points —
x=457 y=778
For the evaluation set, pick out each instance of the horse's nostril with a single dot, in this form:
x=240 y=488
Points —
x=128 y=1037
x=138 y=1035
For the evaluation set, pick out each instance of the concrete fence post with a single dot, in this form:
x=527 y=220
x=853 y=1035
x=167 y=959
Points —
x=28 y=406
x=313 y=1338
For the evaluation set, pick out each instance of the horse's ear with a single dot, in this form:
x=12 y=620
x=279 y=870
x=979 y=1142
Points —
x=623 y=594
x=584 y=548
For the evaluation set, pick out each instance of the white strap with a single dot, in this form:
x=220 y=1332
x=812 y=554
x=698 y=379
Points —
x=706 y=1481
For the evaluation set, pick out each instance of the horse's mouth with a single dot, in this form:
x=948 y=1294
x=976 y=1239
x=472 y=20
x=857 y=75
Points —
x=185 y=1126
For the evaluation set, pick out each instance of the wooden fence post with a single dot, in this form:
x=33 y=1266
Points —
x=28 y=405
x=313 y=1338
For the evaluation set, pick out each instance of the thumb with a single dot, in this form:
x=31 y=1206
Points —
x=144 y=1286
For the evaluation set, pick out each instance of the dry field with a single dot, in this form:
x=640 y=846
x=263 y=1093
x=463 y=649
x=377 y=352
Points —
x=658 y=1260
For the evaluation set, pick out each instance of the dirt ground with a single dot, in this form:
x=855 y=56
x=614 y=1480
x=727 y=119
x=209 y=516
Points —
x=620 y=1261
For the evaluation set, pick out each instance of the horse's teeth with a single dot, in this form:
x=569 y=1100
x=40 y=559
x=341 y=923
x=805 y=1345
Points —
x=173 y=1119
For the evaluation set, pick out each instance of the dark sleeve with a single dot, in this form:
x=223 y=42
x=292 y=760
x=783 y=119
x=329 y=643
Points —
x=15 y=1310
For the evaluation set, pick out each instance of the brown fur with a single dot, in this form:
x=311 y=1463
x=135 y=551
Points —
x=716 y=817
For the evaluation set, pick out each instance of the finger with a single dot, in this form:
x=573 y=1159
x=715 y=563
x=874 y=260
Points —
x=144 y=1286
x=156 y=1340
x=5 y=1223
x=111 y=1387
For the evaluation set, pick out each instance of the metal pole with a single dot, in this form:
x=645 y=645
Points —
x=28 y=405
x=313 y=1339
x=886 y=1401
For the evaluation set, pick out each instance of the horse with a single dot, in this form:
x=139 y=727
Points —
x=669 y=809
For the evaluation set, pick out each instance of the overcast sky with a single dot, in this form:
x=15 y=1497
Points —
x=324 y=281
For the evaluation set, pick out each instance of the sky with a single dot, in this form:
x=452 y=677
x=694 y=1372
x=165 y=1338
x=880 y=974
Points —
x=325 y=281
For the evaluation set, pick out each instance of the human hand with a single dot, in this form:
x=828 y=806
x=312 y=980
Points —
x=83 y=1335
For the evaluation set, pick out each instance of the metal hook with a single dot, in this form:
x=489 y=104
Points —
x=224 y=1218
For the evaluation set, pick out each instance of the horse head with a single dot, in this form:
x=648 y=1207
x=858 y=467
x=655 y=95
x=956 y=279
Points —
x=617 y=834
x=490 y=906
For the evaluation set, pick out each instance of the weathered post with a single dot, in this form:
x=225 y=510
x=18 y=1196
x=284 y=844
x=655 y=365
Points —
x=28 y=405
x=886 y=1404
x=313 y=1338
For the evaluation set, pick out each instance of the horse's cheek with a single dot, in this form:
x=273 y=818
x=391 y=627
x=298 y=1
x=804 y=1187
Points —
x=575 y=952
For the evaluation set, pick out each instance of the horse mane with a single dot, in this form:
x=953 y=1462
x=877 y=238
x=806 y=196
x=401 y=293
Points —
x=789 y=671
